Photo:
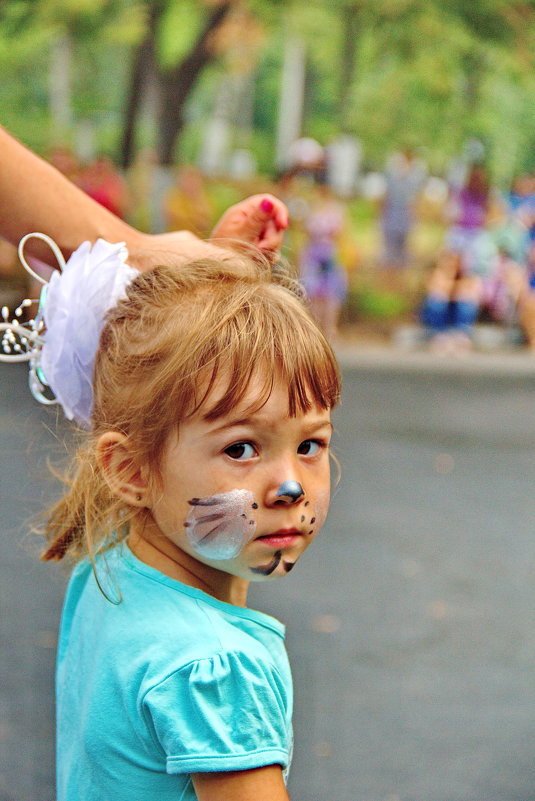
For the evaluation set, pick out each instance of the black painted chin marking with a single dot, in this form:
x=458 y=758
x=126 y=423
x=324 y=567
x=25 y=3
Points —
x=288 y=566
x=267 y=570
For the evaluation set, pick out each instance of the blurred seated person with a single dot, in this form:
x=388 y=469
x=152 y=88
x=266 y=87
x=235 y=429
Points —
x=455 y=288
x=490 y=277
x=525 y=287
x=186 y=205
x=451 y=305
x=103 y=182
x=65 y=160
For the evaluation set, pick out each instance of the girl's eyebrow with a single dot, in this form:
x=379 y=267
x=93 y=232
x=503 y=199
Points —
x=313 y=425
x=242 y=421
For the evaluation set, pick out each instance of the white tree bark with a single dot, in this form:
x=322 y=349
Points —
x=60 y=91
x=291 y=98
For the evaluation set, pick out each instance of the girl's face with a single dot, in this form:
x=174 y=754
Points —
x=248 y=492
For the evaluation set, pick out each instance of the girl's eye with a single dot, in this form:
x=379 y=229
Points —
x=310 y=447
x=240 y=451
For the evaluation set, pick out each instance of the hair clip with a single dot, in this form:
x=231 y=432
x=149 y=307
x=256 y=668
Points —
x=23 y=342
x=61 y=341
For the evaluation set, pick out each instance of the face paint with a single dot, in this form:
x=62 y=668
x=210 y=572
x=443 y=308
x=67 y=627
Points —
x=219 y=526
x=290 y=491
x=319 y=513
x=267 y=570
x=315 y=515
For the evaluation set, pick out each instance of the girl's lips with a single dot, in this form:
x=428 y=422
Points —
x=280 y=539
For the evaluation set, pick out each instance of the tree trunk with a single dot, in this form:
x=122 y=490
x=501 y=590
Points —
x=142 y=68
x=177 y=83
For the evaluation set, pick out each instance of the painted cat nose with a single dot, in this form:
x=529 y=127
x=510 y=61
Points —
x=290 y=492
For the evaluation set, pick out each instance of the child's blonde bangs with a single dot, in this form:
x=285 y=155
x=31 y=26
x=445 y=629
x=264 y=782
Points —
x=270 y=338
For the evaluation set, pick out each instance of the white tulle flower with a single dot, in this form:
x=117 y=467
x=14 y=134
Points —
x=92 y=282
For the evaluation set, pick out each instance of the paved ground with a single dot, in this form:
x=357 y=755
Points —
x=410 y=622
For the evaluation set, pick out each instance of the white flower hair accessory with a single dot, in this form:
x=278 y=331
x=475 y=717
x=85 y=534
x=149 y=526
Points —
x=60 y=343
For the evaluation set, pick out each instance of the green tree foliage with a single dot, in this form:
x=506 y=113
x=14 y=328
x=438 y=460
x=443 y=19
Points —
x=431 y=74
x=421 y=72
x=101 y=34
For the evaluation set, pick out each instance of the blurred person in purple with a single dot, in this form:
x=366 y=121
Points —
x=469 y=208
x=321 y=273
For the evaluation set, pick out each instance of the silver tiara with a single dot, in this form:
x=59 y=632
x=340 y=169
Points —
x=61 y=341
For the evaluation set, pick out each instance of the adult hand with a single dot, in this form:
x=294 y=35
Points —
x=36 y=197
x=259 y=220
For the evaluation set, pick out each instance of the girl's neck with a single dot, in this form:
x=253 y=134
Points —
x=151 y=547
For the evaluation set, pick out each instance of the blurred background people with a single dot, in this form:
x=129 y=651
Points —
x=186 y=205
x=455 y=286
x=321 y=272
x=103 y=182
x=404 y=178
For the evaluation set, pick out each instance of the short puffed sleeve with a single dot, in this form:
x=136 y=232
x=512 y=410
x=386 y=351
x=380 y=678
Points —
x=226 y=712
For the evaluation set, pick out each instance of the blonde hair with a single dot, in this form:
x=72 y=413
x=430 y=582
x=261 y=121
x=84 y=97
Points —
x=178 y=331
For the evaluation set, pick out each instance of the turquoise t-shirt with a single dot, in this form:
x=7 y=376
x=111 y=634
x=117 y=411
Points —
x=164 y=683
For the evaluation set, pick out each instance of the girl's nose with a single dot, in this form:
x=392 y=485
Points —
x=289 y=492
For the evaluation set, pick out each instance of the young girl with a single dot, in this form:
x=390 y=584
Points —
x=206 y=466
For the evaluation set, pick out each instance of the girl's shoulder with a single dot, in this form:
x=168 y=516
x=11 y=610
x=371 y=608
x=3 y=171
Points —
x=192 y=668
x=133 y=602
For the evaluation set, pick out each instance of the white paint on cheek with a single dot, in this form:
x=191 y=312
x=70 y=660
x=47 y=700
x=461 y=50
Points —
x=220 y=526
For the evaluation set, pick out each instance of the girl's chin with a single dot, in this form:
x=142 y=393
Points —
x=277 y=565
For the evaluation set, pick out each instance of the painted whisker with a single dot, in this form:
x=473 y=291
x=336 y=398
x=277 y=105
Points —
x=215 y=530
x=211 y=518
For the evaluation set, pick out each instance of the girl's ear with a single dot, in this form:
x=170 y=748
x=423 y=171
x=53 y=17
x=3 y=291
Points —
x=120 y=469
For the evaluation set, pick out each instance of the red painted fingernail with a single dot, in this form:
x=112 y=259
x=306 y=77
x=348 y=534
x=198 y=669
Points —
x=266 y=205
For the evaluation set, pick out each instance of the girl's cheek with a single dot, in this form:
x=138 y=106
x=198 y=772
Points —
x=317 y=510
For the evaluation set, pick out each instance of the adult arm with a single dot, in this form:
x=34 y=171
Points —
x=260 y=784
x=34 y=196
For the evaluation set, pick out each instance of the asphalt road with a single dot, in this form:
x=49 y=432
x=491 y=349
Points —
x=410 y=622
